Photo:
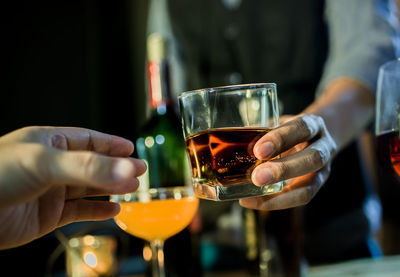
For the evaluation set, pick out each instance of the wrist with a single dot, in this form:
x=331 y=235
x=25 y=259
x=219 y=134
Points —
x=347 y=107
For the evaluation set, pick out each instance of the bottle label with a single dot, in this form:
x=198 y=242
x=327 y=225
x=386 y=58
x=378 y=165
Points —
x=155 y=84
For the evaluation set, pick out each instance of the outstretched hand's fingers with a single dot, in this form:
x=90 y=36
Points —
x=310 y=159
x=84 y=210
x=299 y=192
x=71 y=138
x=287 y=136
x=26 y=176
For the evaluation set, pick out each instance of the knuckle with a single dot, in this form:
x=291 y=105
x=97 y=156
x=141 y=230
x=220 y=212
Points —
x=318 y=157
x=280 y=171
x=318 y=119
x=90 y=164
x=323 y=152
x=90 y=142
x=59 y=141
x=302 y=124
x=107 y=146
x=104 y=148
x=280 y=140
x=312 y=123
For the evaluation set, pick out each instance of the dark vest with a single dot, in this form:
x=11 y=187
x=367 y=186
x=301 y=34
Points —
x=284 y=42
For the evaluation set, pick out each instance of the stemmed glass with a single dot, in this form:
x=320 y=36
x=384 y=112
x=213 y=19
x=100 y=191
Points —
x=156 y=214
x=387 y=123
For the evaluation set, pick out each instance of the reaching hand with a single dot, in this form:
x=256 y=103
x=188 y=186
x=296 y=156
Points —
x=306 y=149
x=46 y=172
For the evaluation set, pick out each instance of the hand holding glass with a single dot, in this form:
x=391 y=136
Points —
x=221 y=126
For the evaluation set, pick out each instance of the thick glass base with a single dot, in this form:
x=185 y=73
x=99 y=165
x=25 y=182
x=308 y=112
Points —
x=234 y=192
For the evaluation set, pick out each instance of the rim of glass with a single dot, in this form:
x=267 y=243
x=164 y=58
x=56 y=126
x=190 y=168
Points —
x=155 y=194
x=229 y=88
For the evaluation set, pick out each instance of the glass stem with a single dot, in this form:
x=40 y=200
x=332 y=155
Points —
x=157 y=258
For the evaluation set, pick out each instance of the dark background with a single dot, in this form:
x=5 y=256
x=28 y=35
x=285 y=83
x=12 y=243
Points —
x=70 y=63
x=81 y=63
x=73 y=63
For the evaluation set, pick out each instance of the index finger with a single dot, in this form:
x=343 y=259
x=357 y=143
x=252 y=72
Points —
x=73 y=138
x=85 y=139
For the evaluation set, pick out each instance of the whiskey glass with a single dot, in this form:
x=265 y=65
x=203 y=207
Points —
x=221 y=126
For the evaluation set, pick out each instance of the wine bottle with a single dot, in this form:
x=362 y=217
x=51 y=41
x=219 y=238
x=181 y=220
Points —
x=161 y=145
x=160 y=142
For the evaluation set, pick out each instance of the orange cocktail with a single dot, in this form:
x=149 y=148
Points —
x=155 y=214
x=157 y=219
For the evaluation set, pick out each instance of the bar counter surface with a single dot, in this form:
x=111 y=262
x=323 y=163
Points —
x=388 y=266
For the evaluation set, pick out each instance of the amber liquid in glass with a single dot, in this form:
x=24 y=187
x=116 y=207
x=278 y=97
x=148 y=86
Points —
x=224 y=156
x=388 y=147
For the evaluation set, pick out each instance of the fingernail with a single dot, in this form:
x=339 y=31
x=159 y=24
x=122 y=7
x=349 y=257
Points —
x=262 y=177
x=122 y=170
x=265 y=150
